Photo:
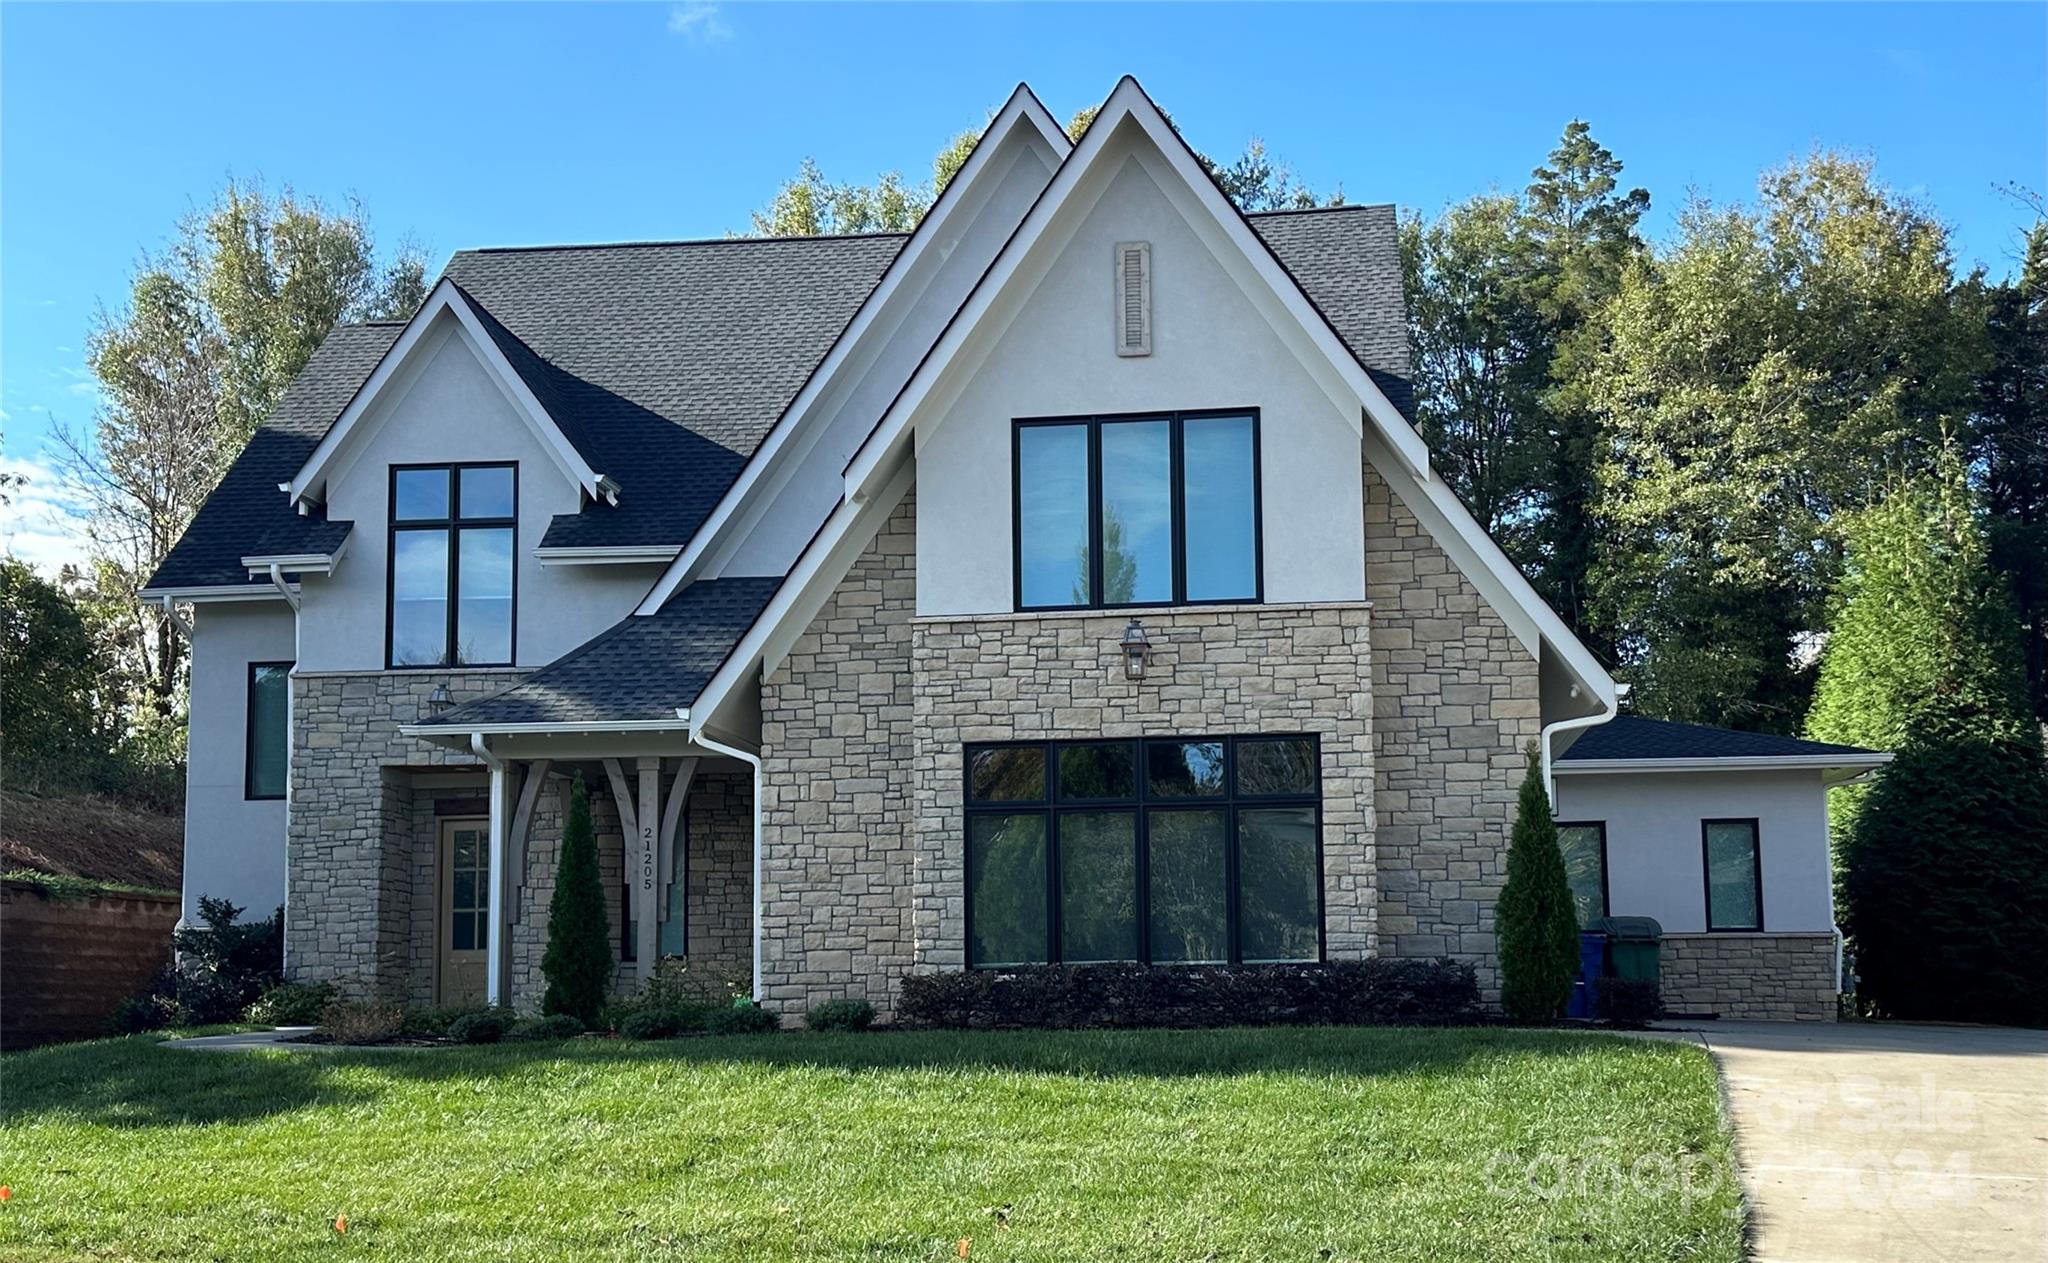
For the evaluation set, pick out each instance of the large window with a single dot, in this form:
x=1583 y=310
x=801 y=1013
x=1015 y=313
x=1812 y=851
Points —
x=1169 y=851
x=452 y=529
x=1735 y=884
x=1137 y=510
x=267 y=750
x=1584 y=845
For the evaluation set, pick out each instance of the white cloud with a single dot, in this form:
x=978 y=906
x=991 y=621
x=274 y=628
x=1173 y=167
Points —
x=698 y=22
x=43 y=520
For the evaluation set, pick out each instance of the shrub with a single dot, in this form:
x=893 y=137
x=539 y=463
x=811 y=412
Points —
x=743 y=1018
x=361 y=1022
x=432 y=1023
x=227 y=964
x=141 y=1013
x=666 y=1021
x=294 y=1004
x=486 y=1026
x=1350 y=992
x=1629 y=1002
x=1537 y=925
x=840 y=1015
x=554 y=1026
x=578 y=961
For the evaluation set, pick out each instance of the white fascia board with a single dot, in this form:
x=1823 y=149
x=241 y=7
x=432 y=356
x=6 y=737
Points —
x=446 y=300
x=809 y=584
x=596 y=555
x=1755 y=763
x=214 y=593
x=1128 y=103
x=1023 y=109
x=299 y=563
x=460 y=734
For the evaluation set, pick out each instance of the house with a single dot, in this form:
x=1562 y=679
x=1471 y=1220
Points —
x=1061 y=581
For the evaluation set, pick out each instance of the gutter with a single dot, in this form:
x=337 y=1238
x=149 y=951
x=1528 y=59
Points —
x=1544 y=739
x=753 y=761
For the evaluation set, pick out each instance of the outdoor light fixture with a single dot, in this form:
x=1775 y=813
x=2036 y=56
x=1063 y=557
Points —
x=438 y=700
x=1136 y=650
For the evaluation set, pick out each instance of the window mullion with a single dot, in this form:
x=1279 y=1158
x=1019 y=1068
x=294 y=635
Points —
x=1177 y=528
x=1095 y=566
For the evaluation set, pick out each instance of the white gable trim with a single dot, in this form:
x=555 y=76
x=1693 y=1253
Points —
x=1023 y=109
x=308 y=486
x=839 y=543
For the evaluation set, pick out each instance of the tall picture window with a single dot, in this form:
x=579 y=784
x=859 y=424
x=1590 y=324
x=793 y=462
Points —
x=267 y=750
x=1137 y=510
x=1735 y=889
x=1584 y=846
x=1166 y=850
x=452 y=575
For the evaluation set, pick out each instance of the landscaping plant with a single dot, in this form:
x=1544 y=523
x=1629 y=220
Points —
x=840 y=1015
x=1535 y=921
x=578 y=961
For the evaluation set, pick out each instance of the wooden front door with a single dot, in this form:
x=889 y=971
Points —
x=464 y=920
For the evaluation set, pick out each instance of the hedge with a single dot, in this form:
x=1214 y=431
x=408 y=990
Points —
x=1338 y=993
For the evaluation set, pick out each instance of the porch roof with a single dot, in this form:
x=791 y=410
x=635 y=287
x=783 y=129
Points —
x=643 y=669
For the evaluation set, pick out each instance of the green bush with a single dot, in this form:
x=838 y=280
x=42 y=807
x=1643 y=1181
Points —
x=486 y=1026
x=743 y=1018
x=840 y=1015
x=666 y=1021
x=361 y=1022
x=554 y=1026
x=1379 y=991
x=424 y=1022
x=1535 y=921
x=141 y=1013
x=227 y=964
x=1627 y=1002
x=294 y=1004
x=578 y=961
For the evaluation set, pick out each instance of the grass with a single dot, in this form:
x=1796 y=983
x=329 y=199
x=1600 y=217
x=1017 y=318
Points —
x=1320 y=1145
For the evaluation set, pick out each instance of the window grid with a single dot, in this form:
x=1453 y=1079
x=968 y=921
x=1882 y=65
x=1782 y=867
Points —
x=1177 y=532
x=452 y=527
x=1141 y=805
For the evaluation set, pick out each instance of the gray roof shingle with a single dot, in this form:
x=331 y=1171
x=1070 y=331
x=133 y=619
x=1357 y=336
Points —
x=642 y=668
x=1633 y=737
x=666 y=364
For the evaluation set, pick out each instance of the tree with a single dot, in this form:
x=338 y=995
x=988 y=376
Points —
x=58 y=734
x=1769 y=373
x=1534 y=918
x=2011 y=447
x=578 y=961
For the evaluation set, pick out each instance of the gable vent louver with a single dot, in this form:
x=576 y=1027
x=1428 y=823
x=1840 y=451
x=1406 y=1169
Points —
x=1134 y=298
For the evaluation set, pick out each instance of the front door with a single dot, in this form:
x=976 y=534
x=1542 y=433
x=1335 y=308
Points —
x=463 y=933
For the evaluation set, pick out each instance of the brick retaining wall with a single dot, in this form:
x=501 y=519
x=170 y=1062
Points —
x=66 y=962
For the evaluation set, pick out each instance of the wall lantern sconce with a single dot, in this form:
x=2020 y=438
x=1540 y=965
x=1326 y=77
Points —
x=1136 y=649
x=439 y=700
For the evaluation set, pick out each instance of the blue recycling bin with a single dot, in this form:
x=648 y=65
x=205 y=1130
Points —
x=1592 y=965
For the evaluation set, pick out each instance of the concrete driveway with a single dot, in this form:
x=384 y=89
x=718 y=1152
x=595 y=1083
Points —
x=1870 y=1143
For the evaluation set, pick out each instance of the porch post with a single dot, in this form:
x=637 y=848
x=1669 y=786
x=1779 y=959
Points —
x=645 y=868
x=498 y=961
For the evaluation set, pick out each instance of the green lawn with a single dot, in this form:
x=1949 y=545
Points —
x=1320 y=1145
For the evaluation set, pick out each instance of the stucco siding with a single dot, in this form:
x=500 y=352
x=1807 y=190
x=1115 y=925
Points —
x=234 y=847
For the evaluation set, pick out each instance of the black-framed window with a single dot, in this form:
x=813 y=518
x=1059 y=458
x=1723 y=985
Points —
x=267 y=741
x=452 y=582
x=1732 y=854
x=1139 y=510
x=1165 y=850
x=1583 y=844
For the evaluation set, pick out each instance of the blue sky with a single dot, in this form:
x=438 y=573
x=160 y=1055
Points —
x=471 y=125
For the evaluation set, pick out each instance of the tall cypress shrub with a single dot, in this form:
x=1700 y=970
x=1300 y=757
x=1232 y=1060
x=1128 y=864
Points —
x=1536 y=924
x=578 y=962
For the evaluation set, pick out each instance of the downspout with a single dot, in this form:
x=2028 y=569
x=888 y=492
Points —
x=178 y=620
x=753 y=761
x=1550 y=731
x=284 y=589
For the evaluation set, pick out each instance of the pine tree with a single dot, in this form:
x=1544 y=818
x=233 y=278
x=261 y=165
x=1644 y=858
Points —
x=578 y=962
x=1536 y=923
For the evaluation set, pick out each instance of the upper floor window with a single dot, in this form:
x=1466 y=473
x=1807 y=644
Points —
x=452 y=531
x=1137 y=510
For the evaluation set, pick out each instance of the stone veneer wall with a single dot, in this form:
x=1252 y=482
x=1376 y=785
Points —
x=1455 y=708
x=349 y=879
x=836 y=848
x=1760 y=977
